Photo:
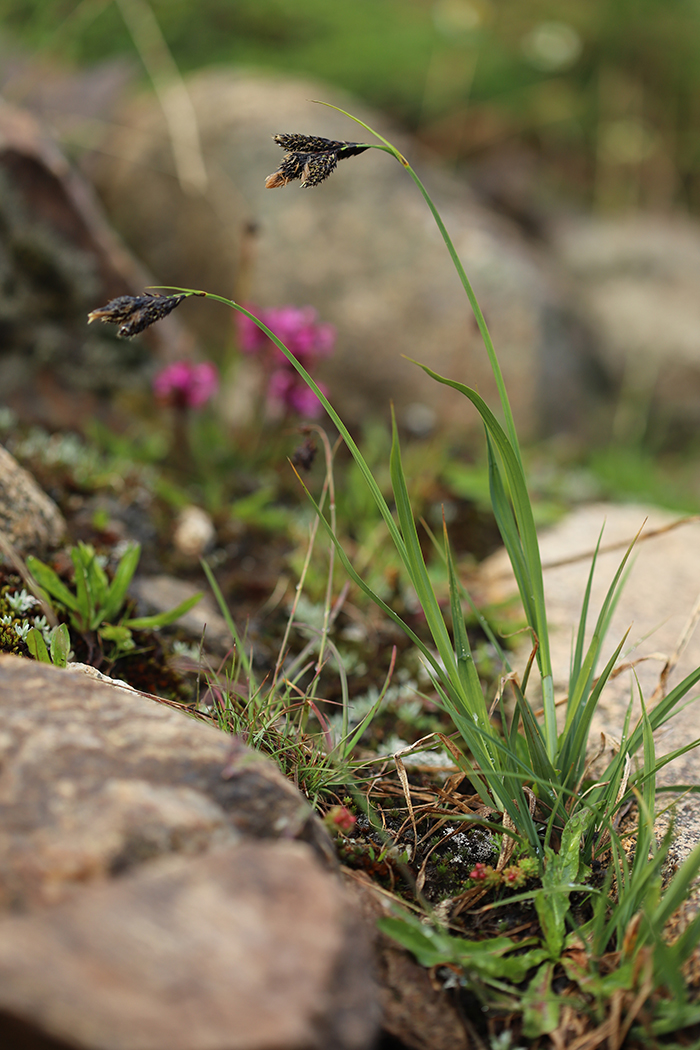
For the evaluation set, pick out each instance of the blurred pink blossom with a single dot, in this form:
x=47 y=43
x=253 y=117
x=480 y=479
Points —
x=186 y=384
x=288 y=390
x=297 y=327
x=308 y=340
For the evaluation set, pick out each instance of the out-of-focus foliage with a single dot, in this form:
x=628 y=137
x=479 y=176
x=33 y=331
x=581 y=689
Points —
x=604 y=90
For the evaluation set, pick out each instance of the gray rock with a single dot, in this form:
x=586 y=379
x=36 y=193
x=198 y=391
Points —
x=29 y=519
x=249 y=947
x=362 y=249
x=637 y=277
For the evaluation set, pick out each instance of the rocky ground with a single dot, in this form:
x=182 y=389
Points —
x=162 y=885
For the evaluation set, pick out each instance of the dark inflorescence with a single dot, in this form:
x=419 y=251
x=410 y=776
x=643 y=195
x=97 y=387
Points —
x=310 y=158
x=304 y=455
x=134 y=313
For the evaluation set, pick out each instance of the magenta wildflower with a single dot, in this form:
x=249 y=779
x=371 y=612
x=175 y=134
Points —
x=297 y=327
x=186 y=384
x=305 y=337
x=287 y=390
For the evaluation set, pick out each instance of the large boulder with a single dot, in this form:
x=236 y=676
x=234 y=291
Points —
x=362 y=249
x=637 y=279
x=161 y=886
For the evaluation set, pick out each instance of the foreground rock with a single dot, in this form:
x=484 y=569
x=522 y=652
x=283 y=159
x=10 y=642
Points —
x=362 y=249
x=142 y=908
x=249 y=946
x=658 y=605
x=29 y=519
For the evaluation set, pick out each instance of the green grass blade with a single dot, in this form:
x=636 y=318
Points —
x=432 y=663
x=151 y=623
x=465 y=660
x=677 y=892
x=80 y=557
x=589 y=664
x=507 y=526
x=52 y=583
x=577 y=657
x=461 y=272
x=116 y=595
x=574 y=740
x=664 y=709
x=533 y=598
x=415 y=563
x=233 y=631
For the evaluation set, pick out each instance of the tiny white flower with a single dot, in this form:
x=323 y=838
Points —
x=41 y=624
x=21 y=602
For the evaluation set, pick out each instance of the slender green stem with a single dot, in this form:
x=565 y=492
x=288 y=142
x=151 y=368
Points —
x=387 y=147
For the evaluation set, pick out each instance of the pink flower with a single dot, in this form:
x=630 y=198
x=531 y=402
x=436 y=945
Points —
x=186 y=384
x=288 y=391
x=297 y=327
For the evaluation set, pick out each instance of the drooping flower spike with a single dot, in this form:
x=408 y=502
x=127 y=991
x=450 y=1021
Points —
x=310 y=158
x=134 y=313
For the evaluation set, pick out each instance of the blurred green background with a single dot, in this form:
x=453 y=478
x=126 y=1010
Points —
x=601 y=95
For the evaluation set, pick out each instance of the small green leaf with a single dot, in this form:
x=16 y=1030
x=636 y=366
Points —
x=37 y=646
x=116 y=594
x=558 y=881
x=60 y=645
x=117 y=633
x=50 y=581
x=150 y=623
x=489 y=960
x=540 y=1005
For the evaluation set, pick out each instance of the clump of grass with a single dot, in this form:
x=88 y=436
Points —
x=532 y=772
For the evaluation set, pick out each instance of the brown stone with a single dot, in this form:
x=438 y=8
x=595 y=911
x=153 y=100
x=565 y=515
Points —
x=95 y=779
x=637 y=278
x=151 y=894
x=251 y=947
x=157 y=594
x=29 y=519
x=414 y=1011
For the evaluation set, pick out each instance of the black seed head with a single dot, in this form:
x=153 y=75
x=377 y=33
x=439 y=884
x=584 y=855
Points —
x=304 y=455
x=134 y=313
x=310 y=158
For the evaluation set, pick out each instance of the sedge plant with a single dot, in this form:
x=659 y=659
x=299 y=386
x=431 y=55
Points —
x=534 y=771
